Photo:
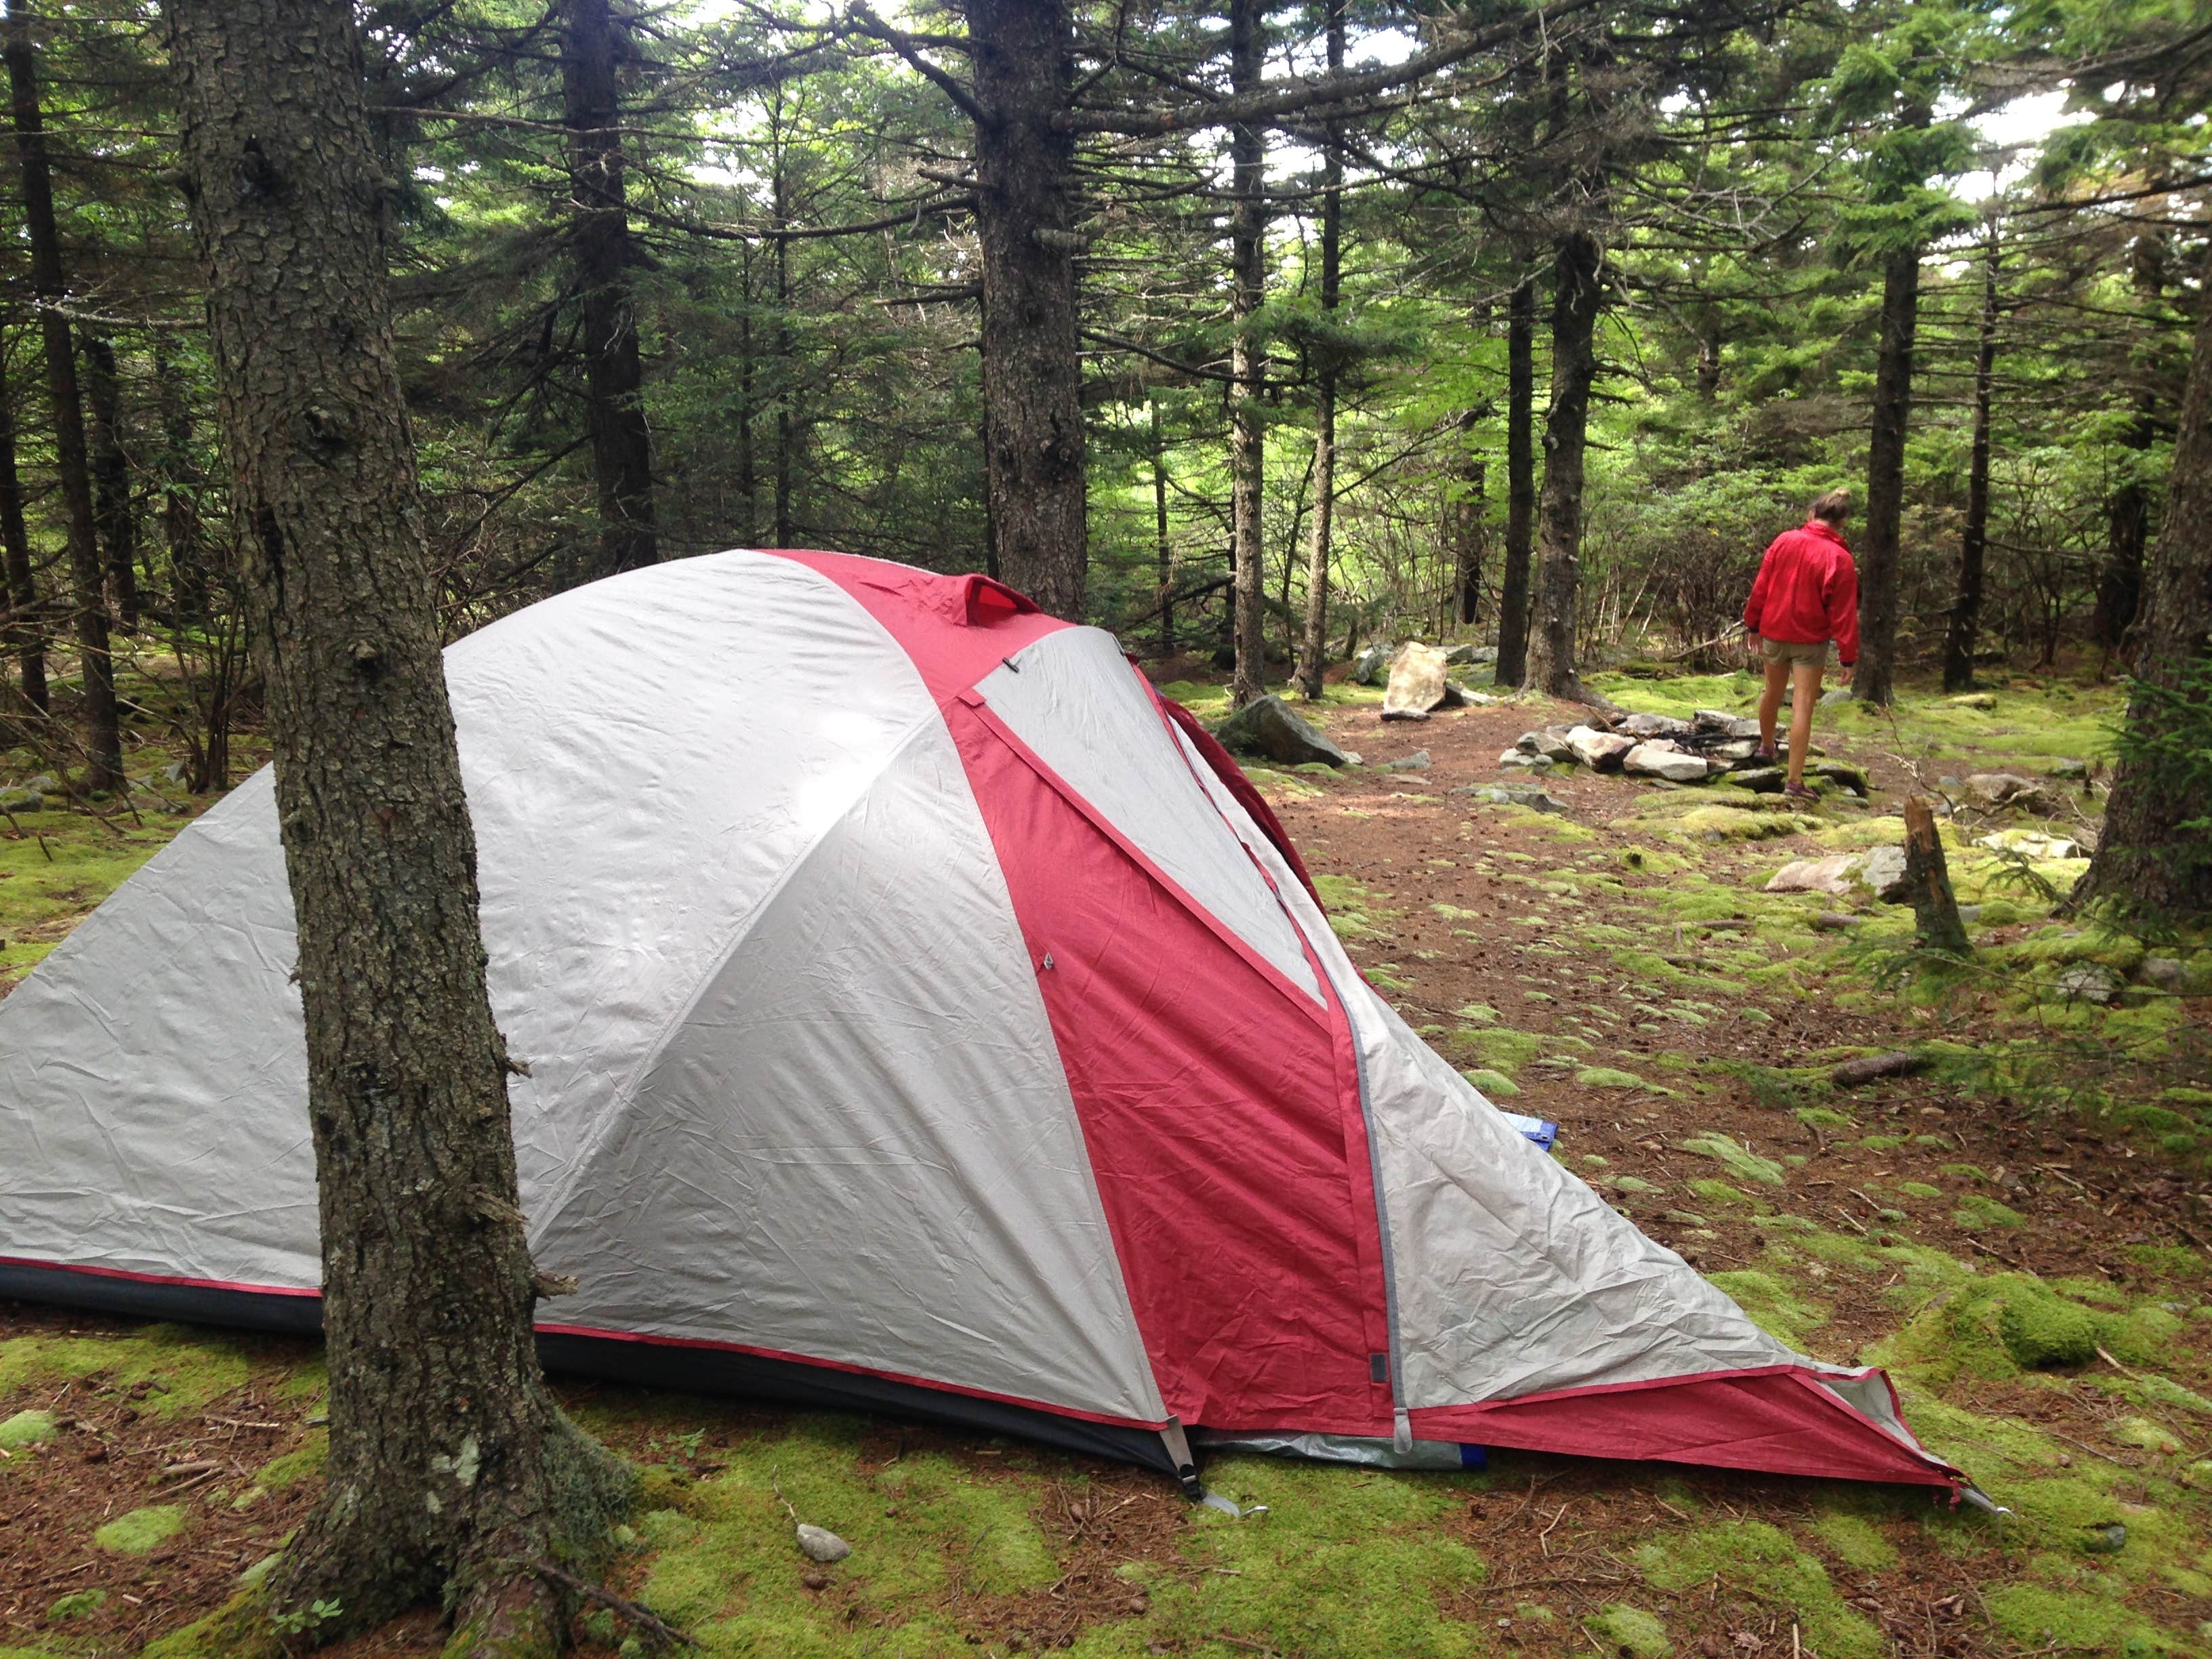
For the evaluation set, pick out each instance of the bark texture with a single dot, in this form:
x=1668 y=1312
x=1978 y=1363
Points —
x=1965 y=628
x=450 y=1472
x=1576 y=276
x=1032 y=372
x=1879 y=598
x=1520 y=484
x=2154 y=858
x=1163 y=549
x=103 y=744
x=1248 y=362
x=1468 y=523
x=181 y=529
x=111 y=480
x=614 y=373
x=1928 y=882
x=1313 y=645
x=26 y=637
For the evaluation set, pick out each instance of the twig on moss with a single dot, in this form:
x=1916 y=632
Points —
x=648 y=1622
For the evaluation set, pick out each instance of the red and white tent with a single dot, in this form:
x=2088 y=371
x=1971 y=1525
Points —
x=922 y=1015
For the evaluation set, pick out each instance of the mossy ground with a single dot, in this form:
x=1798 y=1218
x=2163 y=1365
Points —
x=1999 y=1232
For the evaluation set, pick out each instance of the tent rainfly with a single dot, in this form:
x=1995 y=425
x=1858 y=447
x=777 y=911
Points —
x=922 y=1016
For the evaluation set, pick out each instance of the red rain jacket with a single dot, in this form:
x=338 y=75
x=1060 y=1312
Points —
x=1807 y=591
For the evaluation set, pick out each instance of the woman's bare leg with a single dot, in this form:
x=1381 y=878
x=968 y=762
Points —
x=1770 y=701
x=1806 y=678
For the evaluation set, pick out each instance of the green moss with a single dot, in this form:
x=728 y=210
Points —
x=1919 y=1189
x=1504 y=1049
x=2044 y=1621
x=1735 y=823
x=183 y=1370
x=298 y=1464
x=1742 y=1163
x=2052 y=946
x=1822 y=1118
x=1977 y=1211
x=1494 y=1083
x=1718 y=1192
x=142 y=1531
x=25 y=1428
x=1605 y=1077
x=1856 y=1541
x=240 y=1629
x=75 y=1605
x=1631 y=1631
x=1753 y=1553
x=1882 y=1143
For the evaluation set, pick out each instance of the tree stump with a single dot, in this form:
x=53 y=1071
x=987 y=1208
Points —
x=1928 y=882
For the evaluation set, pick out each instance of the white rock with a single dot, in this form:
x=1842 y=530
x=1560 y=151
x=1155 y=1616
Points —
x=1650 y=760
x=1598 y=751
x=820 y=1544
x=1882 y=870
x=1416 y=681
x=1829 y=875
x=2032 y=843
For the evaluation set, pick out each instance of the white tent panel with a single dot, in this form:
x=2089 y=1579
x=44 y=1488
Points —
x=1074 y=699
x=857 y=1142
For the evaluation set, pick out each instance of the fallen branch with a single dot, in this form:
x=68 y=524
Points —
x=649 y=1623
x=1868 y=1068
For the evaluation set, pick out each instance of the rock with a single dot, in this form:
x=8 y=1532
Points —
x=1656 y=725
x=2167 y=972
x=1759 y=780
x=1466 y=655
x=1270 y=727
x=1649 y=760
x=1882 y=872
x=1853 y=777
x=2066 y=768
x=1416 y=761
x=175 y=771
x=1981 y=700
x=1734 y=752
x=2005 y=789
x=2032 y=843
x=1835 y=922
x=1711 y=719
x=2089 y=981
x=1416 y=681
x=1520 y=761
x=1828 y=875
x=1598 y=751
x=45 y=784
x=1517 y=794
x=1551 y=742
x=822 y=1545
x=1368 y=667
x=2108 y=1539
x=1835 y=693
x=21 y=801
x=815 y=1581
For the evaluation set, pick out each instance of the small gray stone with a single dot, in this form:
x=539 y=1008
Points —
x=2005 y=789
x=1832 y=874
x=1835 y=693
x=820 y=1544
x=21 y=801
x=2167 y=972
x=1270 y=727
x=1853 y=777
x=1550 y=742
x=2068 y=768
x=1517 y=794
x=45 y=784
x=1655 y=726
x=1734 y=752
x=175 y=771
x=1468 y=654
x=2089 y=981
x=1759 y=780
x=2109 y=1538
x=1649 y=760
x=1416 y=761
x=1711 y=719
x=1517 y=761
x=1369 y=666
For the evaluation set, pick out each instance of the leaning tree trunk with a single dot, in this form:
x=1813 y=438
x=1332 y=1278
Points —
x=111 y=480
x=1520 y=484
x=103 y=730
x=1974 y=539
x=1879 y=573
x=25 y=636
x=450 y=1473
x=1022 y=51
x=1312 y=647
x=599 y=238
x=1248 y=360
x=1577 y=278
x=2155 y=856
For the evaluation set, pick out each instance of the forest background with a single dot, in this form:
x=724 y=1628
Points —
x=675 y=278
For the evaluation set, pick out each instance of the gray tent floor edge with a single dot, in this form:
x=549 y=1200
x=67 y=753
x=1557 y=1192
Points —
x=646 y=1364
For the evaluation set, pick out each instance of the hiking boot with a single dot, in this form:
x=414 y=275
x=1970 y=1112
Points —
x=1767 y=754
x=1799 y=792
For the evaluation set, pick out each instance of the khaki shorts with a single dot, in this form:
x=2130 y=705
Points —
x=1810 y=655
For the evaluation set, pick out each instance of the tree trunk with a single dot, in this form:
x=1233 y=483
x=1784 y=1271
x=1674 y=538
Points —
x=748 y=470
x=599 y=236
x=1577 y=276
x=181 y=529
x=1520 y=484
x=1467 y=528
x=1927 y=880
x=2155 y=857
x=103 y=731
x=1248 y=358
x=1885 y=502
x=26 y=637
x=1974 y=541
x=1163 y=549
x=787 y=390
x=451 y=1471
x=2127 y=537
x=1313 y=648
x=111 y=480
x=1032 y=372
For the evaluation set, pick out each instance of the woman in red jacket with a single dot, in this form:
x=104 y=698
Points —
x=1807 y=595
